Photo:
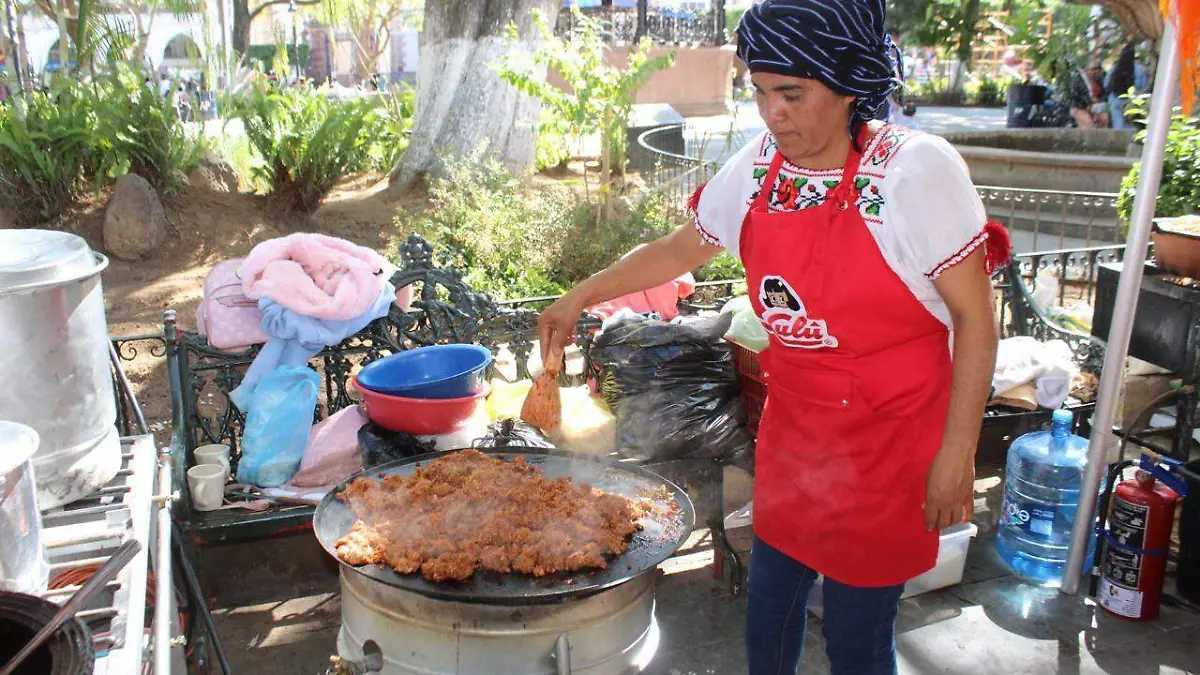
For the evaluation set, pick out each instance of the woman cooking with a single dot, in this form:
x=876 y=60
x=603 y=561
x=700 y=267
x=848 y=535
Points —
x=866 y=248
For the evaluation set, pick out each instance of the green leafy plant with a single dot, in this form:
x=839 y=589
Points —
x=45 y=152
x=733 y=16
x=1069 y=42
x=75 y=134
x=553 y=146
x=722 y=268
x=1179 y=192
x=237 y=149
x=144 y=131
x=516 y=239
x=483 y=220
x=396 y=113
x=988 y=92
x=307 y=142
x=600 y=96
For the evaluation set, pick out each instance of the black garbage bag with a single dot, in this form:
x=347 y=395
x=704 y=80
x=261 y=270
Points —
x=380 y=446
x=512 y=433
x=673 y=388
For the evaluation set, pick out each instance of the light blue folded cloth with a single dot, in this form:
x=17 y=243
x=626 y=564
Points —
x=293 y=339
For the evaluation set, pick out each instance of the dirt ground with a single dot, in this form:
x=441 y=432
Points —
x=205 y=228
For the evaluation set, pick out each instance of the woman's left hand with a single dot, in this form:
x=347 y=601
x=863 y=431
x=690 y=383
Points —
x=950 y=490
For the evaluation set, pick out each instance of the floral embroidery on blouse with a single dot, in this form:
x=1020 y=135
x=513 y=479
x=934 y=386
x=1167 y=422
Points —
x=796 y=188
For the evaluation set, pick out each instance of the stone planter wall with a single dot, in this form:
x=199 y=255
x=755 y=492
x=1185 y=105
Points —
x=1066 y=160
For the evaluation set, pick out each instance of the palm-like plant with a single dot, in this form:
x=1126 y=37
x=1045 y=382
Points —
x=306 y=142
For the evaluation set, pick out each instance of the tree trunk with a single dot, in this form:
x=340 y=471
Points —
x=606 y=178
x=64 y=39
x=461 y=100
x=1140 y=17
x=966 y=43
x=13 y=46
x=240 y=38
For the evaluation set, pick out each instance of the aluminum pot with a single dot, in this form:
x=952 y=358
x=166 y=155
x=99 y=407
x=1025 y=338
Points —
x=23 y=565
x=54 y=367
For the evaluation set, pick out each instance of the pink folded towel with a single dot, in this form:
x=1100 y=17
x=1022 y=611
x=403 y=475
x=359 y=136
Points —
x=315 y=275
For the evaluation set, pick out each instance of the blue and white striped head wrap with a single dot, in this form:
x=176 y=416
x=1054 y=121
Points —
x=842 y=43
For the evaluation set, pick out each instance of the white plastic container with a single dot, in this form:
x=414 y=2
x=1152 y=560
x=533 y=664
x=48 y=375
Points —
x=951 y=562
x=23 y=565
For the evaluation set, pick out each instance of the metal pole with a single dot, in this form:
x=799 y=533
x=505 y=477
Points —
x=200 y=604
x=127 y=390
x=1113 y=372
x=164 y=588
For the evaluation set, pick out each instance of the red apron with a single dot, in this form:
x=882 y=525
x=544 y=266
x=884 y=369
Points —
x=859 y=390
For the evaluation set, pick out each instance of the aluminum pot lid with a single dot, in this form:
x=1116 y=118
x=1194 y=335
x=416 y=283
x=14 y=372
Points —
x=42 y=257
x=17 y=445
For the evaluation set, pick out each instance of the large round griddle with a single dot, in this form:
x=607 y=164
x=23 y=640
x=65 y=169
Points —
x=659 y=537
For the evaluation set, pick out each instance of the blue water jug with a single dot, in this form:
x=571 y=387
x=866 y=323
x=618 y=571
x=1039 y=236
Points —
x=1041 y=492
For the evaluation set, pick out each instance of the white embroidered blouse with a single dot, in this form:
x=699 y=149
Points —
x=915 y=195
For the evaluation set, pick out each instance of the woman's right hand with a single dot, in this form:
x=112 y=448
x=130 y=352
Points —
x=556 y=325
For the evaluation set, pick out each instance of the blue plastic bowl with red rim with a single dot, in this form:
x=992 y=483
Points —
x=436 y=372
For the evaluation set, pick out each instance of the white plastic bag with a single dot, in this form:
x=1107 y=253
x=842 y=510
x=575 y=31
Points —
x=1045 y=292
x=1048 y=365
x=745 y=329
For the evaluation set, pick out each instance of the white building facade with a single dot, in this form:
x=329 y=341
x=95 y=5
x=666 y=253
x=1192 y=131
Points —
x=173 y=44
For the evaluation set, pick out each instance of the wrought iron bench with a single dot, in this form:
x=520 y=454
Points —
x=444 y=310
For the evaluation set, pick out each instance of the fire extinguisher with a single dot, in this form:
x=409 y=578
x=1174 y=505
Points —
x=1136 y=517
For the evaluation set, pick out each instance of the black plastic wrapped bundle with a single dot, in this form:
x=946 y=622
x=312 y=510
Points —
x=673 y=387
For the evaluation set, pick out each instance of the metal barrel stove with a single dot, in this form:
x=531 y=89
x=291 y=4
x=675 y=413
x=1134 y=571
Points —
x=597 y=622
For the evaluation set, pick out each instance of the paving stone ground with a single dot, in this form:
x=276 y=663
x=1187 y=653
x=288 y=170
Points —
x=278 y=612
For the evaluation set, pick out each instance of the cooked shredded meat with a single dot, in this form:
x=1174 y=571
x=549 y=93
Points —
x=468 y=511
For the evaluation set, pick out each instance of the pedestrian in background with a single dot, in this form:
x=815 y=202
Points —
x=1118 y=84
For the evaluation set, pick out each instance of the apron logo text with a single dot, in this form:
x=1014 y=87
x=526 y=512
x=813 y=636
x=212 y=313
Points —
x=784 y=316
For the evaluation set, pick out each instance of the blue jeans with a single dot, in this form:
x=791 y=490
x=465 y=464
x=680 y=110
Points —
x=859 y=625
x=1116 y=112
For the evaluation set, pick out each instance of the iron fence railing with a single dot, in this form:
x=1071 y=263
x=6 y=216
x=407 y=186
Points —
x=1055 y=219
x=663 y=26
x=1073 y=270
x=676 y=175
x=1039 y=219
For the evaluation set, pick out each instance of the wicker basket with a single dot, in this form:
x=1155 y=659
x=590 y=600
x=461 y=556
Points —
x=754 y=384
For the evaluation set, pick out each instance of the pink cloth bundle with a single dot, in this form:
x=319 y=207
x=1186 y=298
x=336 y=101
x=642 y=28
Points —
x=315 y=275
x=332 y=452
x=664 y=299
